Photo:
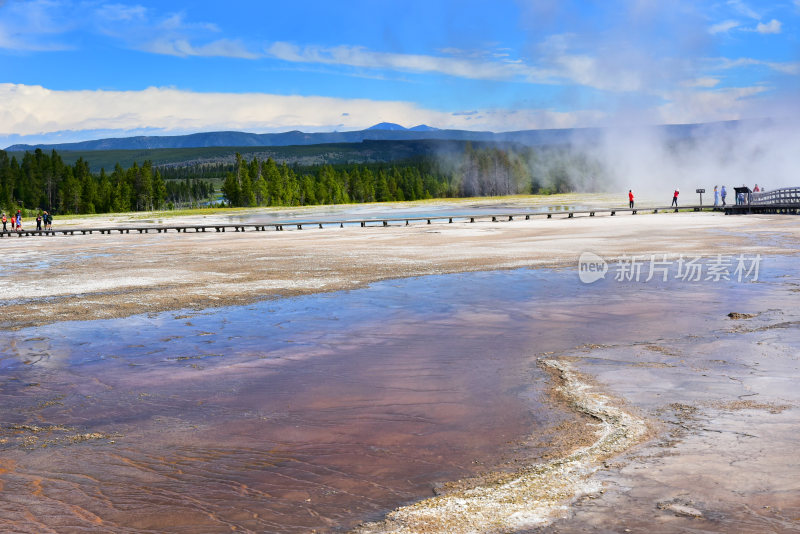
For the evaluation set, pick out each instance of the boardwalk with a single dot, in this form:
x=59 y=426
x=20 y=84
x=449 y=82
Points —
x=781 y=201
x=299 y=225
x=785 y=201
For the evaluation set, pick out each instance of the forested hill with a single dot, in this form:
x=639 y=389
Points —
x=382 y=131
x=243 y=139
x=303 y=155
x=44 y=181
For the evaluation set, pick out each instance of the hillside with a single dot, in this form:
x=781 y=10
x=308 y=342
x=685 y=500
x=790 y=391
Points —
x=305 y=155
x=384 y=132
x=379 y=132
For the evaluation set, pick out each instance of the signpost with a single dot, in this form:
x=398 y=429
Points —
x=701 y=191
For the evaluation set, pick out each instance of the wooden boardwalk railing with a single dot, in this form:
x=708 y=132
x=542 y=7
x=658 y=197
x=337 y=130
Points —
x=782 y=196
x=785 y=200
x=299 y=225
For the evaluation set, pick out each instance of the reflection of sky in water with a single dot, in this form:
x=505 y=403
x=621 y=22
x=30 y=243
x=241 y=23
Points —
x=398 y=213
x=337 y=405
x=352 y=212
x=264 y=328
x=273 y=325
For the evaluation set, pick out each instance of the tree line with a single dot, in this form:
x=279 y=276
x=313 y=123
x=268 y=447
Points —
x=43 y=181
x=475 y=172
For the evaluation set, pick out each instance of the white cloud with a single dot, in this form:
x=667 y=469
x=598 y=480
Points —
x=357 y=56
x=608 y=67
x=589 y=71
x=42 y=25
x=183 y=48
x=773 y=26
x=34 y=26
x=122 y=12
x=706 y=82
x=792 y=68
x=724 y=26
x=169 y=34
x=34 y=110
x=707 y=106
x=561 y=65
x=176 y=22
x=744 y=9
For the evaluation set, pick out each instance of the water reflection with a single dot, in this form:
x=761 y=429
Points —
x=308 y=413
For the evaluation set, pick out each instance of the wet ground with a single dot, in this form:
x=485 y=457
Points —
x=377 y=211
x=284 y=416
x=319 y=412
x=726 y=398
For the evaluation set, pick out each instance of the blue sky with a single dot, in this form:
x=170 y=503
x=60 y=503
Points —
x=75 y=70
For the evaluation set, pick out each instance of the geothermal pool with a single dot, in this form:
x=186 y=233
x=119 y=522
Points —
x=316 y=412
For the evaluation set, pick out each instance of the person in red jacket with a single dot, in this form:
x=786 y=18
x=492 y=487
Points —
x=630 y=197
x=675 y=197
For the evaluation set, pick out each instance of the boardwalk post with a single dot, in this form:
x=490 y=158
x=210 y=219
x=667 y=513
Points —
x=783 y=201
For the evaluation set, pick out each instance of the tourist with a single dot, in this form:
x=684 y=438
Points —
x=756 y=189
x=47 y=220
x=630 y=197
x=716 y=196
x=4 y=223
x=39 y=222
x=19 y=221
x=723 y=194
x=675 y=197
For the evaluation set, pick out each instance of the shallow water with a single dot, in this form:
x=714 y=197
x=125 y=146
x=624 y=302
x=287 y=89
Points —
x=378 y=211
x=308 y=413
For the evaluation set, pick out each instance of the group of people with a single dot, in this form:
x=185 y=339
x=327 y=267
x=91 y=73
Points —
x=42 y=218
x=719 y=194
x=741 y=198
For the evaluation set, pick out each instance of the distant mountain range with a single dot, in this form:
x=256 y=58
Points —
x=384 y=131
x=397 y=128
